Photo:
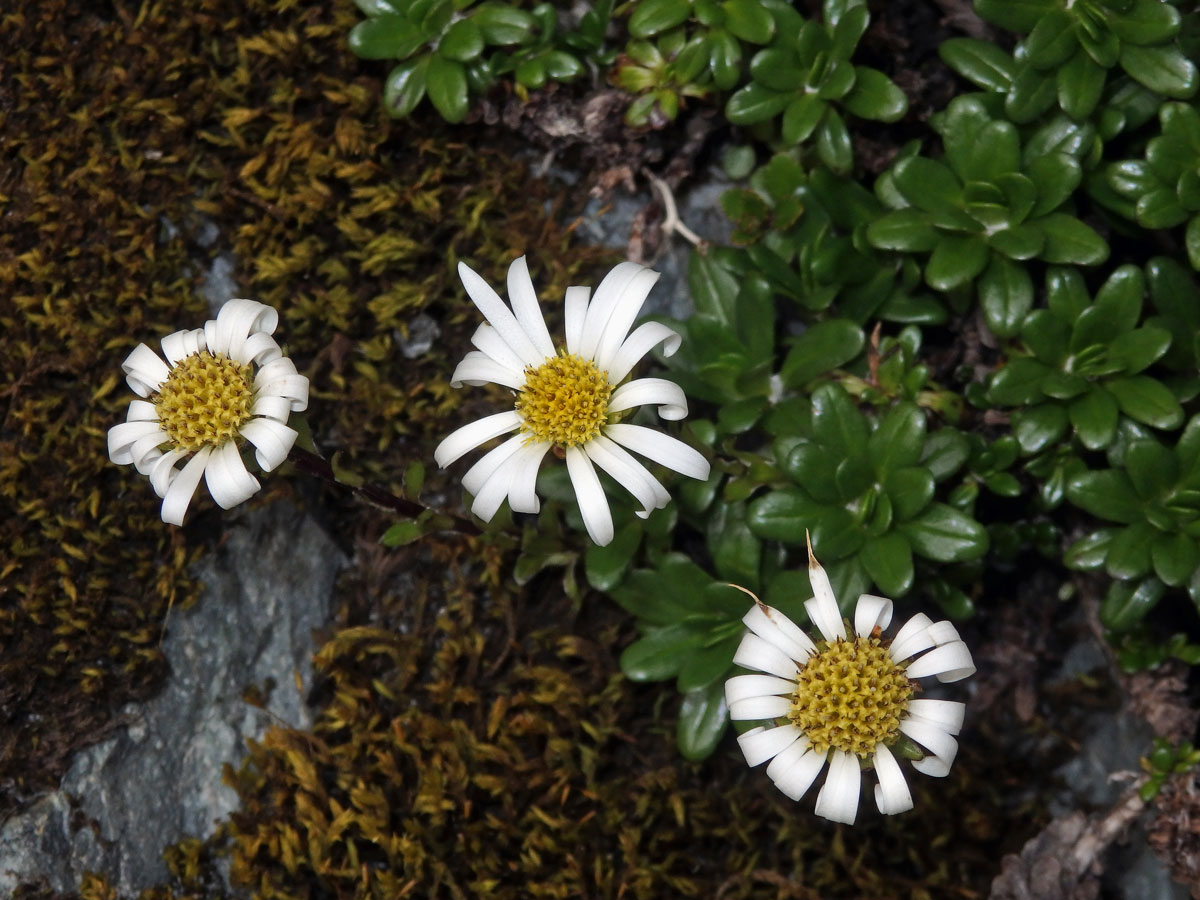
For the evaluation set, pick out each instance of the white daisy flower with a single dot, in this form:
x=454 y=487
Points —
x=569 y=398
x=220 y=384
x=846 y=699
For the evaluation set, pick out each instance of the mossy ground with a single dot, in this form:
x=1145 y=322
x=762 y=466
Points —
x=471 y=739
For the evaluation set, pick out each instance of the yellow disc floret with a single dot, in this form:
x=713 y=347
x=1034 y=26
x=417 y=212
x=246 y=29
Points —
x=850 y=696
x=205 y=400
x=564 y=400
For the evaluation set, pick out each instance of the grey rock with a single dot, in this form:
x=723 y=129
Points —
x=219 y=284
x=417 y=339
x=266 y=589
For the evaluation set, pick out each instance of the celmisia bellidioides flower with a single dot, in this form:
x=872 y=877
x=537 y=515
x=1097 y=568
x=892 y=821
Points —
x=221 y=385
x=846 y=698
x=570 y=397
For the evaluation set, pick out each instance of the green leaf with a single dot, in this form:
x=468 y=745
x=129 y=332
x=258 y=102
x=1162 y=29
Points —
x=1119 y=299
x=661 y=652
x=725 y=59
x=1068 y=240
x=1022 y=242
x=1192 y=241
x=782 y=515
x=1107 y=494
x=447 y=85
x=605 y=566
x=386 y=37
x=1052 y=40
x=910 y=490
x=888 y=560
x=1005 y=295
x=776 y=68
x=463 y=41
x=1089 y=552
x=800 y=118
x=1094 y=417
x=1160 y=208
x=708 y=664
x=703 y=717
x=1015 y=15
x=402 y=533
x=875 y=97
x=849 y=26
x=1145 y=23
x=1037 y=427
x=814 y=469
x=1080 y=84
x=944 y=534
x=749 y=20
x=1129 y=553
x=714 y=289
x=823 y=348
x=404 y=88
x=503 y=24
x=1138 y=349
x=905 y=229
x=980 y=62
x=1056 y=176
x=956 y=261
x=1165 y=70
x=899 y=439
x=833 y=143
x=1031 y=94
x=1175 y=558
x=1018 y=383
x=1128 y=602
x=945 y=452
x=1152 y=468
x=651 y=17
x=754 y=103
x=1146 y=400
x=837 y=423
x=736 y=551
x=1046 y=334
x=928 y=184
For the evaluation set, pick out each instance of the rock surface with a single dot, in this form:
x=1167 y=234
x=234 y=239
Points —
x=266 y=588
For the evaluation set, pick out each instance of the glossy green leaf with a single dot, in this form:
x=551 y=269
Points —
x=1005 y=295
x=1089 y=552
x=980 y=62
x=1015 y=15
x=928 y=184
x=1138 y=349
x=1107 y=494
x=899 y=439
x=708 y=664
x=1018 y=383
x=650 y=17
x=1032 y=93
x=910 y=490
x=386 y=37
x=1146 y=400
x=1056 y=176
x=1152 y=469
x=944 y=534
x=801 y=117
x=1127 y=602
x=725 y=59
x=446 y=81
x=1037 y=427
x=1192 y=241
x=703 y=717
x=605 y=566
x=1160 y=208
x=463 y=41
x=736 y=551
x=713 y=287
x=837 y=423
x=1165 y=70
x=776 y=68
x=1145 y=23
x=888 y=560
x=1052 y=40
x=503 y=24
x=875 y=97
x=821 y=349
x=1022 y=242
x=782 y=515
x=956 y=261
x=661 y=652
x=1080 y=83
x=849 y=27
x=405 y=87
x=754 y=103
x=945 y=452
x=1094 y=418
x=1069 y=240
x=749 y=20
x=833 y=143
x=1175 y=558
x=1129 y=552
x=904 y=229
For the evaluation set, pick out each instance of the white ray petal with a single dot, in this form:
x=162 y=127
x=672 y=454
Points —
x=913 y=637
x=944 y=714
x=141 y=411
x=743 y=687
x=625 y=311
x=499 y=316
x=941 y=745
x=183 y=487
x=575 y=307
x=949 y=662
x=522 y=493
x=471 y=435
x=778 y=630
x=599 y=450
x=277 y=408
x=870 y=613
x=608 y=294
x=182 y=344
x=593 y=505
x=477 y=368
x=237 y=320
x=259 y=348
x=637 y=345
x=489 y=342
x=755 y=653
x=838 y=799
x=661 y=497
x=144 y=370
x=494 y=489
x=525 y=305
x=822 y=608
x=660 y=448
x=753 y=708
x=227 y=478
x=162 y=471
x=272 y=441
x=124 y=437
x=795 y=769
x=666 y=395
x=488 y=464
x=761 y=744
x=892 y=795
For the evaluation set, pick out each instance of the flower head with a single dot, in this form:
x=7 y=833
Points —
x=846 y=698
x=221 y=385
x=569 y=397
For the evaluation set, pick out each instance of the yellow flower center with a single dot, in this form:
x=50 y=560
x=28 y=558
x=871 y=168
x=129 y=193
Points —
x=205 y=400
x=564 y=400
x=850 y=696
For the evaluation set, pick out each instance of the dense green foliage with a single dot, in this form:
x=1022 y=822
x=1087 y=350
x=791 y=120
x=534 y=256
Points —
x=879 y=361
